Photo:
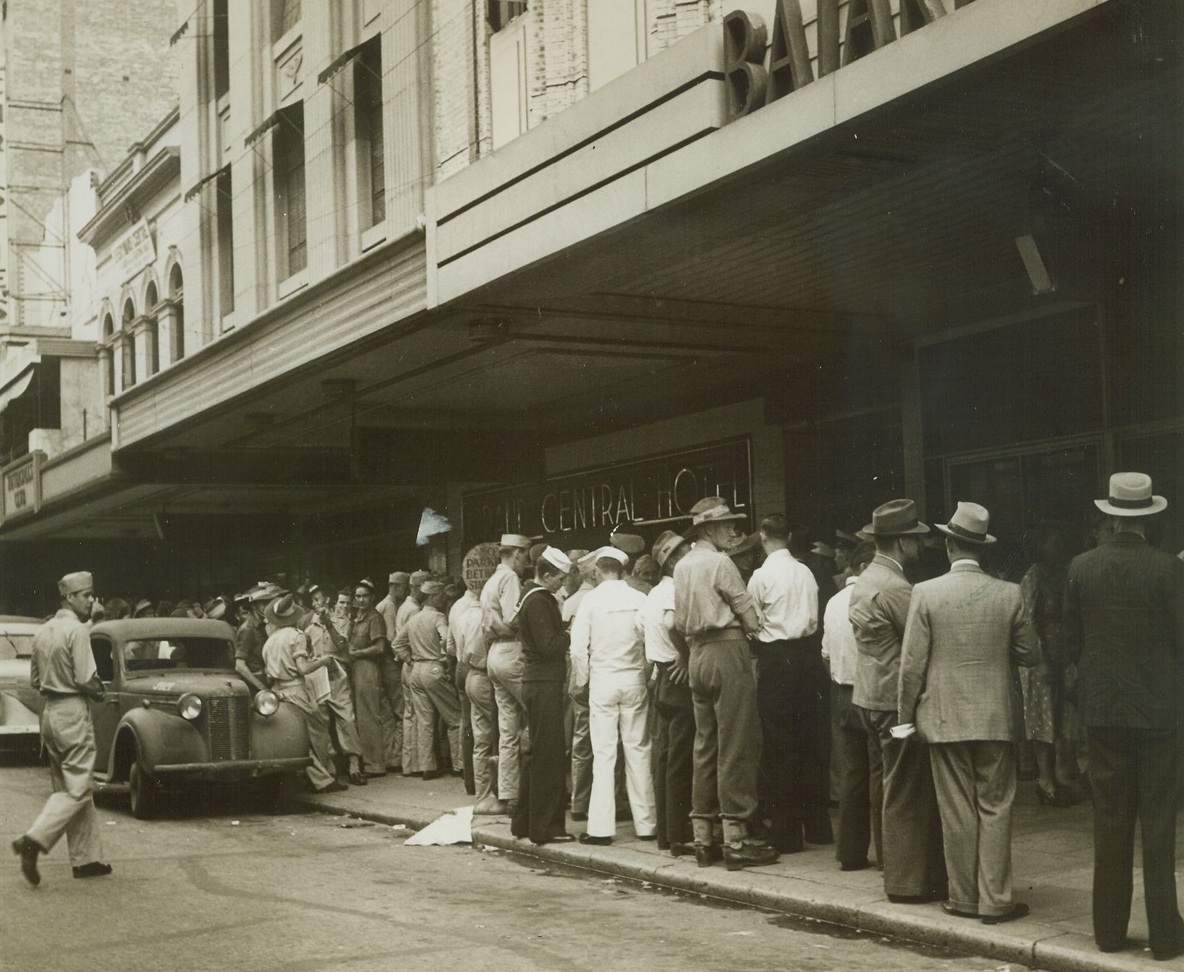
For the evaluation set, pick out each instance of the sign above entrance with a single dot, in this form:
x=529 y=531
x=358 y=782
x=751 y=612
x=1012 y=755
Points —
x=645 y=496
x=22 y=486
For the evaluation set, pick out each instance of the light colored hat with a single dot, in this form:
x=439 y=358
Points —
x=668 y=541
x=895 y=518
x=516 y=540
x=214 y=608
x=713 y=509
x=79 y=580
x=283 y=612
x=142 y=605
x=968 y=524
x=263 y=592
x=431 y=587
x=631 y=543
x=556 y=558
x=367 y=583
x=399 y=577
x=1130 y=495
x=619 y=556
x=418 y=577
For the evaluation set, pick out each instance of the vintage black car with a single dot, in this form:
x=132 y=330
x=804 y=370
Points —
x=176 y=710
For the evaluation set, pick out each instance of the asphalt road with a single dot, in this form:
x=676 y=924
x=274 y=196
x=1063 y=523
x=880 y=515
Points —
x=220 y=886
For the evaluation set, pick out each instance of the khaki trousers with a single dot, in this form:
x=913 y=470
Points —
x=69 y=739
x=434 y=694
x=366 y=678
x=316 y=719
x=504 y=667
x=480 y=692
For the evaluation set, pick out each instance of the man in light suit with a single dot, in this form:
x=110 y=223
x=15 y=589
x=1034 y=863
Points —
x=1124 y=614
x=963 y=632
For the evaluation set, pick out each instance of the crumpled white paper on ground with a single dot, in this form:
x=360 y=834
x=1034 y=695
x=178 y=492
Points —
x=455 y=827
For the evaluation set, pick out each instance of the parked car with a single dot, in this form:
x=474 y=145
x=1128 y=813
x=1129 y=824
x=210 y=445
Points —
x=20 y=706
x=177 y=711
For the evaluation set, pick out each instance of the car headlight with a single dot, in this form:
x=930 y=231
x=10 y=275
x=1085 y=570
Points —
x=189 y=706
x=267 y=703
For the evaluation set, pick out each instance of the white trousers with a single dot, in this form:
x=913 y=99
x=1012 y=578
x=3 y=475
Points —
x=617 y=710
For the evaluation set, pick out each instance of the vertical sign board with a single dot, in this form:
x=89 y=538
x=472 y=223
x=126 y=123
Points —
x=644 y=496
x=21 y=491
x=134 y=251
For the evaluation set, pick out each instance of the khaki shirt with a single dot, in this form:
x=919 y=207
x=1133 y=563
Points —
x=62 y=661
x=466 y=641
x=280 y=652
x=499 y=604
x=425 y=638
x=709 y=594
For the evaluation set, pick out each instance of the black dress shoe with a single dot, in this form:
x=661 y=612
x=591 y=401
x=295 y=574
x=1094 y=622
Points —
x=648 y=837
x=1017 y=911
x=27 y=850
x=681 y=849
x=429 y=775
x=357 y=779
x=708 y=854
x=93 y=869
x=949 y=909
x=598 y=841
x=333 y=787
x=1163 y=955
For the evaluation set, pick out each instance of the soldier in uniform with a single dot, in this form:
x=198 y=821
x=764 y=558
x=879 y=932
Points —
x=62 y=669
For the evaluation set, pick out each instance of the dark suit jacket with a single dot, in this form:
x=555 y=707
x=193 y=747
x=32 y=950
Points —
x=1124 y=615
x=964 y=631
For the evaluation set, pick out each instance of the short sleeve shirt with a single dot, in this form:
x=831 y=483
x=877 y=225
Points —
x=62 y=659
x=248 y=644
x=280 y=652
x=367 y=628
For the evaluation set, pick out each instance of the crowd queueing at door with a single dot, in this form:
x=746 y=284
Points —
x=724 y=693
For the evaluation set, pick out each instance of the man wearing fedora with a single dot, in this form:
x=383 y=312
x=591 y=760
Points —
x=714 y=613
x=965 y=629
x=287 y=660
x=499 y=605
x=62 y=671
x=914 y=859
x=248 y=640
x=674 y=735
x=1125 y=629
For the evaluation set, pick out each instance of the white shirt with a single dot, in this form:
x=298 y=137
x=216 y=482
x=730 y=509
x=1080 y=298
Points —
x=656 y=622
x=605 y=639
x=838 y=637
x=786 y=597
x=466 y=643
x=499 y=604
x=572 y=604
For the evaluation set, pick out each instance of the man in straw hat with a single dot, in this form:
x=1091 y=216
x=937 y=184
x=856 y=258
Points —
x=62 y=669
x=1125 y=629
x=251 y=634
x=914 y=859
x=714 y=613
x=288 y=659
x=965 y=629
x=499 y=605
x=541 y=796
x=674 y=736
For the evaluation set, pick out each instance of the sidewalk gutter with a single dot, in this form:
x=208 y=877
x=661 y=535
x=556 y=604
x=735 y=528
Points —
x=1026 y=943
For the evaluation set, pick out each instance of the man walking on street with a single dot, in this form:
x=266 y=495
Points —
x=714 y=613
x=965 y=629
x=1125 y=627
x=62 y=669
x=914 y=858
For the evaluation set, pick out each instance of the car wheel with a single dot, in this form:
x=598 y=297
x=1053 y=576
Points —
x=145 y=797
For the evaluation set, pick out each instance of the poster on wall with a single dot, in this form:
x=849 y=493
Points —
x=646 y=496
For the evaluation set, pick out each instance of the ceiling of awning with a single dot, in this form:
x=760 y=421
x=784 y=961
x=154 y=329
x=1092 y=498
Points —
x=830 y=258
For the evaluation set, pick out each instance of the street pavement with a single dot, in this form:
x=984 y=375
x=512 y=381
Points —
x=1052 y=860
x=217 y=886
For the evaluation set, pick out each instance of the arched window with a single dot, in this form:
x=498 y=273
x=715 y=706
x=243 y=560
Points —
x=150 y=302
x=129 y=345
x=108 y=333
x=177 y=296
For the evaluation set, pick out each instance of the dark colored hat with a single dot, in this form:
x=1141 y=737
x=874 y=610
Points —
x=895 y=518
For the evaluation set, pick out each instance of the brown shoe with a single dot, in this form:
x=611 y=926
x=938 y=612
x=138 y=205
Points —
x=27 y=850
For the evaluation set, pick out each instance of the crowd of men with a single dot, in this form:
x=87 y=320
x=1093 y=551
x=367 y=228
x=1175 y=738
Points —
x=719 y=704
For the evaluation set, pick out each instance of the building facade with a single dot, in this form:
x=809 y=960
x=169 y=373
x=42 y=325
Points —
x=557 y=267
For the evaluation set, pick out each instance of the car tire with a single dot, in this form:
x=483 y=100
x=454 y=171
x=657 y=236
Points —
x=143 y=792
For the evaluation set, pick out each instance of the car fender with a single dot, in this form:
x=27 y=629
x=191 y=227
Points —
x=281 y=735
x=161 y=738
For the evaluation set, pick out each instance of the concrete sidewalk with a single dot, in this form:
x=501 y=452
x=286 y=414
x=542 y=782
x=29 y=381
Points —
x=1053 y=863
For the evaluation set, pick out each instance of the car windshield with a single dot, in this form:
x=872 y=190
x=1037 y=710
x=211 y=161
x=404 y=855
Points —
x=171 y=653
x=15 y=645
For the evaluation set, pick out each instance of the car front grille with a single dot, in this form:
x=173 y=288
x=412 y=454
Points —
x=229 y=722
